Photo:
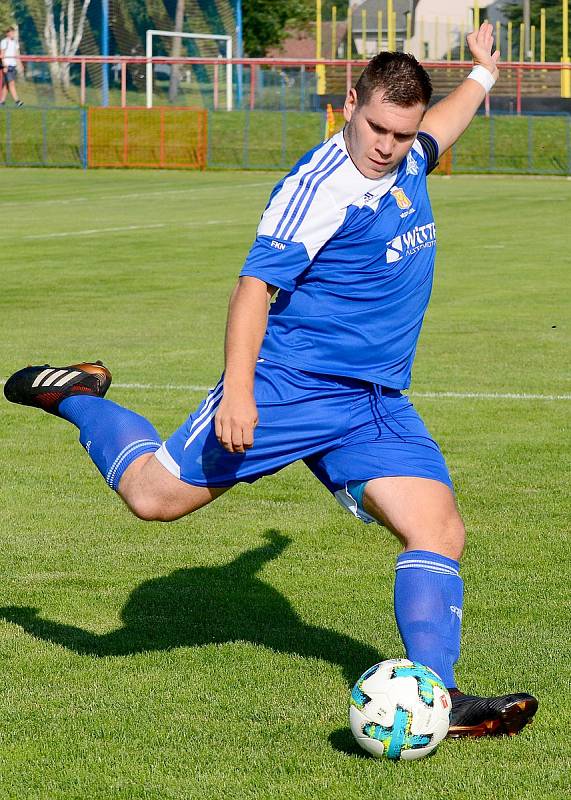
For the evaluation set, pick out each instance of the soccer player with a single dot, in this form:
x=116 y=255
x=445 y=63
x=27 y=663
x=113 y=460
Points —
x=9 y=53
x=348 y=242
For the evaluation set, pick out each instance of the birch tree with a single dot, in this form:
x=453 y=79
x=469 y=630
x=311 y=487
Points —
x=62 y=38
x=176 y=50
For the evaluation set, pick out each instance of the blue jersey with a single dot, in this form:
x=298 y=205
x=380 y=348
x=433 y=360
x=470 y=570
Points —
x=353 y=258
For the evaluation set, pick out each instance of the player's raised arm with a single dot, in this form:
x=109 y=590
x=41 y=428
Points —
x=447 y=120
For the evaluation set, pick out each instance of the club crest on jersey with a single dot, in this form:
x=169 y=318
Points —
x=401 y=198
x=411 y=164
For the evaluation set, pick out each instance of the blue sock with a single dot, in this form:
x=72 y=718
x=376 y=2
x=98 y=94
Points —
x=112 y=435
x=428 y=609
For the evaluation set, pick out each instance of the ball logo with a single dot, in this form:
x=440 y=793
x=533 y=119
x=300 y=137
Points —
x=401 y=198
x=394 y=250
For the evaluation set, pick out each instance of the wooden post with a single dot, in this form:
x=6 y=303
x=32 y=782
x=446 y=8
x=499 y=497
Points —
x=82 y=84
x=334 y=32
x=123 y=84
x=565 y=73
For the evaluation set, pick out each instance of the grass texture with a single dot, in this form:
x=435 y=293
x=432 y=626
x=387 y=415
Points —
x=213 y=657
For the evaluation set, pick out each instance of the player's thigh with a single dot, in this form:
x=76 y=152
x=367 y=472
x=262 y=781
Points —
x=153 y=493
x=421 y=512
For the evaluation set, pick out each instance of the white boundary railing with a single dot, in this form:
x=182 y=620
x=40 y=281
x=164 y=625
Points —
x=179 y=34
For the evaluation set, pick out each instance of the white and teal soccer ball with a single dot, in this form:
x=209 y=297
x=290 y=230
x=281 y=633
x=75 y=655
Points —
x=400 y=709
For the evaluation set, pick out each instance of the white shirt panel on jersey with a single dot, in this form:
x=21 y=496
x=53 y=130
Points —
x=10 y=49
x=311 y=204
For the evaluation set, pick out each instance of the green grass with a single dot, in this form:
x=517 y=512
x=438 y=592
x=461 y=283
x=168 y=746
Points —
x=213 y=657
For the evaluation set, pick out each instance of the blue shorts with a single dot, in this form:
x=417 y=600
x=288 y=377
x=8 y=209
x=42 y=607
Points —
x=343 y=429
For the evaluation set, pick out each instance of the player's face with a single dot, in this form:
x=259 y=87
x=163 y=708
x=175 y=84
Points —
x=379 y=135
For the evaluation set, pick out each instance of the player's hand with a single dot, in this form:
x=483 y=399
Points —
x=481 y=43
x=235 y=420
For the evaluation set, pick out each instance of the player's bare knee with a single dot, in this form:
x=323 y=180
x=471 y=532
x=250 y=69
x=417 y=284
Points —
x=454 y=535
x=149 y=509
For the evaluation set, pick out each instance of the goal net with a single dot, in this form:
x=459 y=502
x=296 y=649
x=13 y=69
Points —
x=193 y=83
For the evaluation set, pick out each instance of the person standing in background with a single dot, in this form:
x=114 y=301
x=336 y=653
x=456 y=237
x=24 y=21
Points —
x=9 y=54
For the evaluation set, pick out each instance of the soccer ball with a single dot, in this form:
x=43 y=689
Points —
x=399 y=709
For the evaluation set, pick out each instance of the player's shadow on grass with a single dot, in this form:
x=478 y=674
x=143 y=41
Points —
x=207 y=605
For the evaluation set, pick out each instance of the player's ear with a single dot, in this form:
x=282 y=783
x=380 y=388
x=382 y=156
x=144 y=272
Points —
x=350 y=104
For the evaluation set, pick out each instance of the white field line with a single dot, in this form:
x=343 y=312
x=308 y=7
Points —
x=190 y=387
x=98 y=231
x=93 y=231
x=131 y=195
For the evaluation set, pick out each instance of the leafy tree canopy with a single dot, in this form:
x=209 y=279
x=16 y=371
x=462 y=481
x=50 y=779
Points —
x=266 y=22
x=553 y=25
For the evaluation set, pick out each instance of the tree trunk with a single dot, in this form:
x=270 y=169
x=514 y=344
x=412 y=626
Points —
x=176 y=50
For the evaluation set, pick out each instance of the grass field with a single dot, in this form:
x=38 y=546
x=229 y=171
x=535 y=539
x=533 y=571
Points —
x=212 y=657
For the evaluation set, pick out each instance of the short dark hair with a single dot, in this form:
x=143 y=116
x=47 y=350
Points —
x=402 y=79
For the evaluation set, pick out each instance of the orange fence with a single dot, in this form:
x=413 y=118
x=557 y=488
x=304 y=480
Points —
x=141 y=137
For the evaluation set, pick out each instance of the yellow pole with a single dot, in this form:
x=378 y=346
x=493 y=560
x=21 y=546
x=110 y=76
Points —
x=532 y=41
x=379 y=31
x=565 y=73
x=448 y=41
x=542 y=35
x=334 y=32
x=462 y=42
x=394 y=30
x=498 y=41
x=320 y=68
x=390 y=24
x=363 y=33
x=349 y=34
x=521 y=41
x=317 y=28
x=408 y=30
x=476 y=15
x=510 y=40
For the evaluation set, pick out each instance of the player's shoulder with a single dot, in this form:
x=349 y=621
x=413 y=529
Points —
x=426 y=147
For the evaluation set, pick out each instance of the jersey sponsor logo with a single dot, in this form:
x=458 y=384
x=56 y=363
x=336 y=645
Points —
x=400 y=197
x=411 y=164
x=277 y=245
x=409 y=243
x=457 y=611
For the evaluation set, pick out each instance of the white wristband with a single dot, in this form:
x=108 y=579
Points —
x=484 y=77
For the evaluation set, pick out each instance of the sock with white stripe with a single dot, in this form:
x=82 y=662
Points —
x=113 y=436
x=428 y=610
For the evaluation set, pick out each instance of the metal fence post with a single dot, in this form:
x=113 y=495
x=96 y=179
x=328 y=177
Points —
x=84 y=139
x=245 y=149
x=530 y=144
x=8 y=136
x=284 y=138
x=568 y=141
x=44 y=137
